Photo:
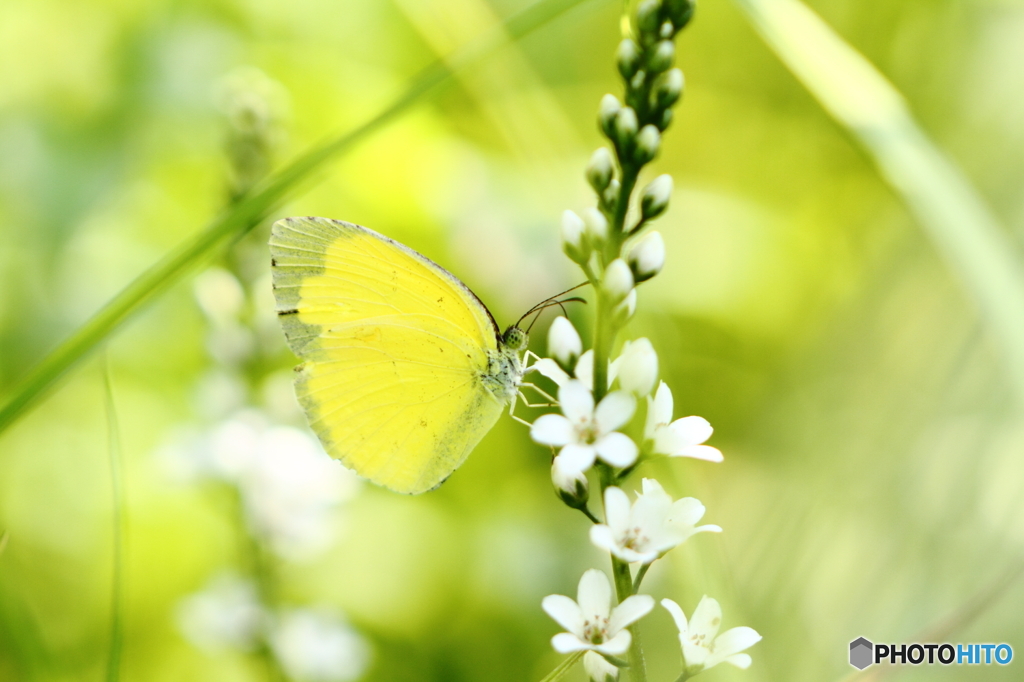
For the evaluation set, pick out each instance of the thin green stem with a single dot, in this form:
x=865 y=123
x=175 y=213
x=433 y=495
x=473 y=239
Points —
x=624 y=590
x=586 y=512
x=683 y=676
x=119 y=518
x=563 y=667
x=254 y=207
x=640 y=576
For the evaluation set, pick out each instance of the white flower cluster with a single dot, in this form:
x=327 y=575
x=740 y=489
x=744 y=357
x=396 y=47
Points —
x=313 y=645
x=599 y=426
x=289 y=488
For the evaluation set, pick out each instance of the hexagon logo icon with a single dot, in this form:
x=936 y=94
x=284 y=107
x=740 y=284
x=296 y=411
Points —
x=861 y=653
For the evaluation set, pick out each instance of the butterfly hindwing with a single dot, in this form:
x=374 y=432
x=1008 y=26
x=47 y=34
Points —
x=394 y=347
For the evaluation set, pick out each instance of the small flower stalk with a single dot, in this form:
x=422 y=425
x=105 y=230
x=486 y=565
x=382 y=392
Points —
x=598 y=437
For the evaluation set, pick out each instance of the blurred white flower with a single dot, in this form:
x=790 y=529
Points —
x=647 y=258
x=680 y=438
x=586 y=433
x=618 y=280
x=317 y=646
x=636 y=367
x=289 y=487
x=652 y=526
x=701 y=648
x=598 y=669
x=591 y=623
x=571 y=484
x=226 y=614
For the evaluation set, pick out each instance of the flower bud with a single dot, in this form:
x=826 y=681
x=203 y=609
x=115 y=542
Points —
x=666 y=119
x=564 y=342
x=618 y=280
x=625 y=126
x=647 y=257
x=628 y=58
x=599 y=170
x=607 y=112
x=625 y=310
x=647 y=17
x=667 y=89
x=661 y=60
x=680 y=12
x=610 y=196
x=638 y=367
x=655 y=197
x=597 y=225
x=648 y=140
x=571 y=485
x=574 y=241
x=666 y=31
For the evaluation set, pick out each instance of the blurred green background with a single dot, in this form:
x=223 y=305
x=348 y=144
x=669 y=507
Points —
x=874 y=475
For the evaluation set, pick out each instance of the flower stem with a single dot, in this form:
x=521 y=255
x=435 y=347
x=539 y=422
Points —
x=640 y=577
x=623 y=590
x=563 y=667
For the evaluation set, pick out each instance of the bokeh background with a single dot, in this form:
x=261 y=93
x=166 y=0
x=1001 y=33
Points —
x=874 y=474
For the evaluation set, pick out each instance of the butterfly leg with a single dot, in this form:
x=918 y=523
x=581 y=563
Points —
x=512 y=408
x=544 y=393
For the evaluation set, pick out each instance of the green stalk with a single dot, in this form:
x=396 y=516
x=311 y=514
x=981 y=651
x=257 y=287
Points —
x=624 y=590
x=119 y=523
x=253 y=208
x=563 y=667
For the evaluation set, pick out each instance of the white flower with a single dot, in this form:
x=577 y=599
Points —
x=586 y=433
x=599 y=170
x=598 y=669
x=225 y=615
x=654 y=525
x=618 y=280
x=570 y=482
x=564 y=342
x=701 y=648
x=637 y=367
x=680 y=438
x=317 y=646
x=591 y=622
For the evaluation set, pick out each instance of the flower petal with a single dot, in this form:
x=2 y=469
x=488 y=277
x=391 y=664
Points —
x=616 y=509
x=565 y=612
x=638 y=367
x=659 y=410
x=617 y=645
x=564 y=643
x=692 y=430
x=602 y=537
x=735 y=640
x=677 y=615
x=549 y=368
x=575 y=458
x=686 y=512
x=706 y=618
x=615 y=411
x=576 y=401
x=598 y=669
x=705 y=452
x=595 y=594
x=552 y=429
x=617 y=449
x=629 y=611
x=741 y=661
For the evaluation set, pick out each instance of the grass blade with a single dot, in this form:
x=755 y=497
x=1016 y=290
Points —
x=120 y=519
x=253 y=208
x=954 y=217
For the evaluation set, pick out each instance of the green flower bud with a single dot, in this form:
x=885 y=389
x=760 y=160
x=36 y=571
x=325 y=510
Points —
x=628 y=58
x=661 y=59
x=574 y=240
x=625 y=127
x=648 y=140
x=599 y=170
x=666 y=119
x=610 y=107
x=667 y=30
x=610 y=196
x=618 y=281
x=647 y=258
x=680 y=12
x=648 y=19
x=668 y=88
x=654 y=199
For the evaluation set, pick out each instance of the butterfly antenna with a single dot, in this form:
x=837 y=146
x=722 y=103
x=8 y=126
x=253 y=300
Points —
x=551 y=304
x=547 y=302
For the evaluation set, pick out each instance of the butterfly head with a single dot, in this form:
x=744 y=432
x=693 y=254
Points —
x=515 y=338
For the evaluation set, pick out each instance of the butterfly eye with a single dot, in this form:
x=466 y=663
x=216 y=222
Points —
x=515 y=338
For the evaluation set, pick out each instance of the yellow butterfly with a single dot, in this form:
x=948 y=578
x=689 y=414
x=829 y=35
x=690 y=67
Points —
x=405 y=368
